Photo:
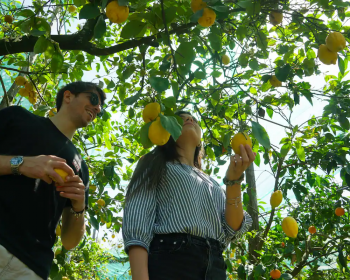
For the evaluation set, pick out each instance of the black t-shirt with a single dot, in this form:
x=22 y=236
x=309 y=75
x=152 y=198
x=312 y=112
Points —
x=30 y=209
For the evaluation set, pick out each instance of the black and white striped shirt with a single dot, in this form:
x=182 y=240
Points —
x=186 y=201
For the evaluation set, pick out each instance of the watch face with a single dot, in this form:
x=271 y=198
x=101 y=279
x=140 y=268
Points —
x=16 y=160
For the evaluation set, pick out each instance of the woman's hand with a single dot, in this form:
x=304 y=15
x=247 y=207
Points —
x=239 y=164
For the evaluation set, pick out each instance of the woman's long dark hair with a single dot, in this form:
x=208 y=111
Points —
x=152 y=167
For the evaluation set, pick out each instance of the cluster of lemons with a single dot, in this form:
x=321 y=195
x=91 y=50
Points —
x=157 y=134
x=208 y=17
x=27 y=90
x=327 y=53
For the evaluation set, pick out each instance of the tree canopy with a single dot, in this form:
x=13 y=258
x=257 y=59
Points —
x=246 y=61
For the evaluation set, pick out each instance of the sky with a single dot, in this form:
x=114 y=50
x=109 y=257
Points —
x=264 y=179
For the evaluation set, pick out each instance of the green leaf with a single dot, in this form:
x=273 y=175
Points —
x=41 y=45
x=269 y=112
x=195 y=17
x=241 y=32
x=146 y=143
x=286 y=276
x=185 y=53
x=56 y=62
x=159 y=84
x=171 y=125
x=131 y=100
x=227 y=139
x=229 y=265
x=241 y=272
x=257 y=159
x=169 y=102
x=89 y=11
x=200 y=75
x=216 y=74
x=100 y=27
x=283 y=72
x=246 y=199
x=175 y=87
x=341 y=65
x=131 y=113
x=254 y=8
x=210 y=153
x=25 y=13
x=296 y=98
x=300 y=151
x=260 y=134
x=254 y=64
x=344 y=122
x=79 y=3
x=123 y=2
x=132 y=29
x=215 y=41
x=285 y=149
x=94 y=222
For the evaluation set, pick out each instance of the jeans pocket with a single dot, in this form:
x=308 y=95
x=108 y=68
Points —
x=159 y=246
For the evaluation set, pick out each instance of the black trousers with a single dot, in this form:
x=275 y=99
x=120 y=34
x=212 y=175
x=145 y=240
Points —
x=180 y=256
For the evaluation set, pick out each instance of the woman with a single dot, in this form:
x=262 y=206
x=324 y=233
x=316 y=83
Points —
x=177 y=220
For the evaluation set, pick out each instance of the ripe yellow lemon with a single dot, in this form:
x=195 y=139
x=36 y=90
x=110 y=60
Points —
x=65 y=278
x=225 y=59
x=60 y=172
x=208 y=18
x=23 y=92
x=197 y=5
x=29 y=86
x=326 y=56
x=8 y=19
x=101 y=202
x=151 y=112
x=275 y=18
x=113 y=235
x=275 y=82
x=157 y=133
x=335 y=41
x=58 y=230
x=276 y=199
x=72 y=9
x=116 y=13
x=52 y=112
x=20 y=80
x=240 y=138
x=290 y=227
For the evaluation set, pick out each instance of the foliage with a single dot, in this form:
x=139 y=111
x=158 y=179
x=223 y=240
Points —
x=160 y=54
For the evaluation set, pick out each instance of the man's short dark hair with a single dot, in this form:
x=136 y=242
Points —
x=76 y=88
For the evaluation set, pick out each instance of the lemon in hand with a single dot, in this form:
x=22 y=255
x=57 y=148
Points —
x=60 y=172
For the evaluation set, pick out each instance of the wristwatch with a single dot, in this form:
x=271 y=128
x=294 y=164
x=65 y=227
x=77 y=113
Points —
x=15 y=164
x=232 y=182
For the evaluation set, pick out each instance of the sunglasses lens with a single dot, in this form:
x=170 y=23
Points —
x=94 y=99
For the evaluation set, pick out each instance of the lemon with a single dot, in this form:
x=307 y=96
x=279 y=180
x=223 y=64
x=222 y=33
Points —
x=72 y=9
x=8 y=19
x=65 y=278
x=116 y=13
x=101 y=202
x=208 y=18
x=52 y=112
x=335 y=41
x=290 y=227
x=339 y=211
x=275 y=18
x=151 y=112
x=157 y=133
x=58 y=230
x=92 y=188
x=28 y=86
x=275 y=82
x=23 y=92
x=326 y=56
x=225 y=59
x=238 y=139
x=60 y=172
x=113 y=235
x=275 y=274
x=276 y=199
x=20 y=80
x=197 y=5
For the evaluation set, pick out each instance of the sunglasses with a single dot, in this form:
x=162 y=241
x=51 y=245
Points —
x=94 y=100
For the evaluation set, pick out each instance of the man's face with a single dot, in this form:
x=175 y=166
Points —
x=84 y=107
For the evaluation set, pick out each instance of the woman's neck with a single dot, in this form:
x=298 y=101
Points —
x=186 y=155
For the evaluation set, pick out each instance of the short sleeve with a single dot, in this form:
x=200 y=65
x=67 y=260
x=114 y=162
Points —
x=138 y=218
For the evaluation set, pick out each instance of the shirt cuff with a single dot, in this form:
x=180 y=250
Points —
x=245 y=226
x=135 y=243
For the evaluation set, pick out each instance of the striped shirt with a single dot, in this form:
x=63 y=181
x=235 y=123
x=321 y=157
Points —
x=186 y=201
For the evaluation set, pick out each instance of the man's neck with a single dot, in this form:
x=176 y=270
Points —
x=64 y=124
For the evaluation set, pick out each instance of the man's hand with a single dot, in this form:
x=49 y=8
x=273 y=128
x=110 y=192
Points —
x=41 y=167
x=73 y=189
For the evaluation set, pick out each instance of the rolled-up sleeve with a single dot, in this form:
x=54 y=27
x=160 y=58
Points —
x=231 y=234
x=138 y=219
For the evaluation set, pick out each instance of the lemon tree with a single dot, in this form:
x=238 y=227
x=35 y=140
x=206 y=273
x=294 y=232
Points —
x=238 y=66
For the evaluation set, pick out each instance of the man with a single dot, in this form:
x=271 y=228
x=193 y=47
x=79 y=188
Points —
x=31 y=204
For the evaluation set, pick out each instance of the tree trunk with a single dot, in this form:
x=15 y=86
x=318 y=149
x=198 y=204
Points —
x=253 y=211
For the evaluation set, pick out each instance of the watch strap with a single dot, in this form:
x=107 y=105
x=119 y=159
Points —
x=15 y=167
x=233 y=182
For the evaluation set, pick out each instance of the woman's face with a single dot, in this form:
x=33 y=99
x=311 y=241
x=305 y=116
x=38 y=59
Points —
x=191 y=131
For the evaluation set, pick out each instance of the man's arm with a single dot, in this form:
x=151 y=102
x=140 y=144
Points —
x=39 y=167
x=73 y=229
